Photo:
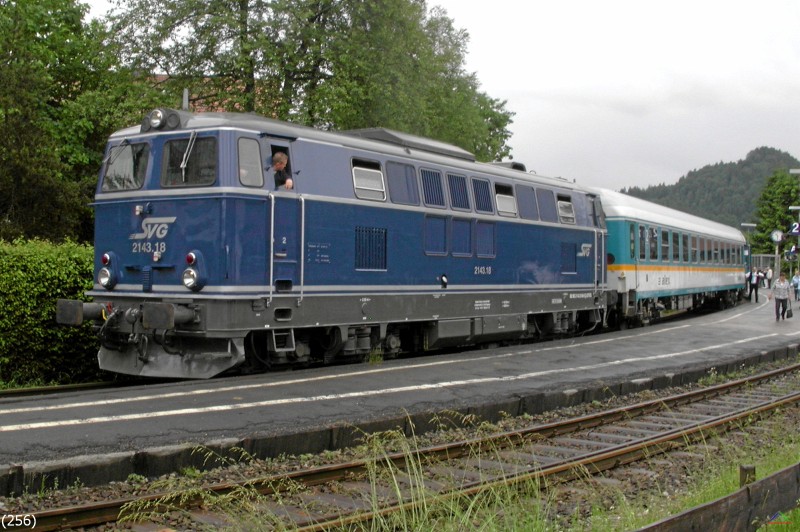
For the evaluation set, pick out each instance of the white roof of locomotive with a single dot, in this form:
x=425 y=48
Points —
x=621 y=206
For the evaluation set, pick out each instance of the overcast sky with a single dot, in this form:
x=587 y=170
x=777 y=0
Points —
x=619 y=93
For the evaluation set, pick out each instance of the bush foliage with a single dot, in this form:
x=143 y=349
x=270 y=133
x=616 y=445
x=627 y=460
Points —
x=33 y=348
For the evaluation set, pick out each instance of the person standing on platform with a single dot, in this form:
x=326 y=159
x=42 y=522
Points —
x=754 y=278
x=780 y=291
x=796 y=284
x=769 y=277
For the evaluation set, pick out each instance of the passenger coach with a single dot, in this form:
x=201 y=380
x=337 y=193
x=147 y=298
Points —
x=661 y=259
x=387 y=243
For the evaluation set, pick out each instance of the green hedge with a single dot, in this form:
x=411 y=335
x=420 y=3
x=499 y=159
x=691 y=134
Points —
x=33 y=348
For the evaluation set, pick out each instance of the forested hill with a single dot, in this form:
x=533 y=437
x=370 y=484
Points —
x=725 y=192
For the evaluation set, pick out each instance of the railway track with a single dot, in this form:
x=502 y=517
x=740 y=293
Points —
x=360 y=491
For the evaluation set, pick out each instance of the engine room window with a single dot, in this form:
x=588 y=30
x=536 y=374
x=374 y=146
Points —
x=126 y=167
x=432 y=190
x=190 y=162
x=483 y=196
x=250 y=174
x=402 y=180
x=459 y=195
x=368 y=180
x=506 y=203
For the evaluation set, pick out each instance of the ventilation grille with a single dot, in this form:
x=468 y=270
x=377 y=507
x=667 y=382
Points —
x=370 y=248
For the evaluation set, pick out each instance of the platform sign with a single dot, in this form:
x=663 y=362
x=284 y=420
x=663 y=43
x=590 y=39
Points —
x=794 y=230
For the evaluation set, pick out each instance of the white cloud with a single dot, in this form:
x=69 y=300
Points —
x=626 y=92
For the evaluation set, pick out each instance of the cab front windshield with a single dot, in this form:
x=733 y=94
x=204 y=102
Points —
x=126 y=167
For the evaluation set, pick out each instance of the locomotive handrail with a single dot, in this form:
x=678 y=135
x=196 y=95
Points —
x=301 y=253
x=271 y=245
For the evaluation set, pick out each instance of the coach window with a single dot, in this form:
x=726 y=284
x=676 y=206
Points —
x=459 y=194
x=695 y=256
x=632 y=240
x=685 y=243
x=402 y=181
x=653 y=237
x=483 y=196
x=642 y=242
x=250 y=174
x=368 y=180
x=432 y=190
x=665 y=245
x=190 y=162
x=126 y=167
x=526 y=201
x=506 y=203
x=547 y=205
x=676 y=246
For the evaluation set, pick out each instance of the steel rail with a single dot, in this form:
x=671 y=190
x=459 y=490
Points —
x=109 y=511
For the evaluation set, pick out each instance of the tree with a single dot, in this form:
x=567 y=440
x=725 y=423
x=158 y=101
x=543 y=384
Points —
x=772 y=210
x=61 y=94
x=340 y=64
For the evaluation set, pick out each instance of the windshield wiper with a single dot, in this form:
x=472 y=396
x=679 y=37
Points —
x=114 y=152
x=186 y=155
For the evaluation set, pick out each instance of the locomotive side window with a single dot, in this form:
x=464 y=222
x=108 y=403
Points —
x=547 y=205
x=483 y=196
x=566 y=211
x=506 y=203
x=459 y=195
x=190 y=162
x=432 y=190
x=526 y=200
x=250 y=174
x=402 y=181
x=665 y=245
x=368 y=180
x=126 y=167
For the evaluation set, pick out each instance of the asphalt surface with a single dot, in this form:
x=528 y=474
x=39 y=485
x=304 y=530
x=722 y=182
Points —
x=96 y=436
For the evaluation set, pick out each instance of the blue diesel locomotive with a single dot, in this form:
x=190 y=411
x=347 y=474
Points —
x=386 y=243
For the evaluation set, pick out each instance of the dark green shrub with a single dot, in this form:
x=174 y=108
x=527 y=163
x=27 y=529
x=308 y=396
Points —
x=33 y=348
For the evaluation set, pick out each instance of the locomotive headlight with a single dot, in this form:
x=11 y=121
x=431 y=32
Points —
x=191 y=279
x=157 y=119
x=106 y=278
